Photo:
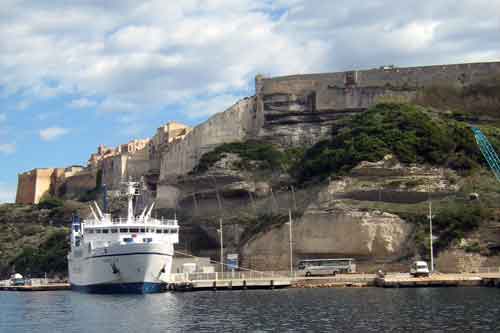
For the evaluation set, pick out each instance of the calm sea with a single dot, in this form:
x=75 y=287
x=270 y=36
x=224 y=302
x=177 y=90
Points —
x=343 y=310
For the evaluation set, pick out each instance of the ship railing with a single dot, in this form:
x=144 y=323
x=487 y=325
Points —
x=123 y=220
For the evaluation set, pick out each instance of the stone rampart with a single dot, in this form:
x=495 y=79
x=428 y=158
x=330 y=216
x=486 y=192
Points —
x=26 y=187
x=34 y=184
x=79 y=183
x=234 y=124
x=416 y=77
x=299 y=110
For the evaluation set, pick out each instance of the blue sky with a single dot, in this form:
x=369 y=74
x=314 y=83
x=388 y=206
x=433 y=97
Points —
x=81 y=73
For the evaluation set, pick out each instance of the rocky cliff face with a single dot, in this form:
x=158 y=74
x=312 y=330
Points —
x=358 y=215
x=346 y=217
x=369 y=235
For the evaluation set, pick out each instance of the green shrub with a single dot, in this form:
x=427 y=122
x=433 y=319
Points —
x=473 y=248
x=49 y=257
x=50 y=202
x=268 y=156
x=406 y=131
x=449 y=224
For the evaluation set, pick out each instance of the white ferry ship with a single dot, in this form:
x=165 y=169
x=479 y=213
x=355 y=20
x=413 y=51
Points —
x=122 y=255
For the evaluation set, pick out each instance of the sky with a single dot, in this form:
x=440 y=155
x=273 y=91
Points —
x=76 y=74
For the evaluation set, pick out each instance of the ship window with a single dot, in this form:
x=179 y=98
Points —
x=158 y=231
x=142 y=230
x=172 y=231
x=90 y=231
x=165 y=231
x=114 y=231
x=97 y=231
x=105 y=231
x=128 y=240
x=134 y=230
x=123 y=230
x=147 y=240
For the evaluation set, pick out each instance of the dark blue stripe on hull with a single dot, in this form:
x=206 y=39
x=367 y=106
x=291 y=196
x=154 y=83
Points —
x=121 y=288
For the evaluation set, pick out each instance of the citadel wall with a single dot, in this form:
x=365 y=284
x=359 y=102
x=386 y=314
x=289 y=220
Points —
x=34 y=184
x=407 y=77
x=81 y=182
x=300 y=109
x=234 y=124
x=26 y=187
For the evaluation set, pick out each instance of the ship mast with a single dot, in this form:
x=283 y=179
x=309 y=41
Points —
x=131 y=192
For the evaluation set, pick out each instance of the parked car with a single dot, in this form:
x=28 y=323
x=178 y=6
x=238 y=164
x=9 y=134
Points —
x=419 y=268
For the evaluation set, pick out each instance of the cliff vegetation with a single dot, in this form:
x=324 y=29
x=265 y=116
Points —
x=409 y=132
x=34 y=238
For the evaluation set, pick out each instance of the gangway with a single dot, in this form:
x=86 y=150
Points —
x=488 y=152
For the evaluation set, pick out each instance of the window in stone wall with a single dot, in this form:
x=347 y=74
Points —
x=351 y=78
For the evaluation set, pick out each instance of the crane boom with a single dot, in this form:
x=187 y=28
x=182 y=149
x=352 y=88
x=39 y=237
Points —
x=488 y=152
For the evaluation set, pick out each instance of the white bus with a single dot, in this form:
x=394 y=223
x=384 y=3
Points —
x=312 y=267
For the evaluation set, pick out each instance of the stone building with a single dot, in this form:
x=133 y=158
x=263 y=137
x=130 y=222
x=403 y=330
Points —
x=33 y=185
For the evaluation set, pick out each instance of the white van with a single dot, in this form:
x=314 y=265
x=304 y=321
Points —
x=419 y=268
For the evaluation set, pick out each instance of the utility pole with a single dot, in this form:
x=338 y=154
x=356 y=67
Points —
x=221 y=249
x=430 y=235
x=293 y=198
x=291 y=240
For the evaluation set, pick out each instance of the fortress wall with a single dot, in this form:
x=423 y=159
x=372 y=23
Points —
x=234 y=124
x=26 y=188
x=136 y=168
x=113 y=170
x=407 y=78
x=80 y=183
x=43 y=183
x=356 y=98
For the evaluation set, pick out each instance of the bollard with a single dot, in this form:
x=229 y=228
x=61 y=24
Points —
x=214 y=285
x=272 y=284
x=244 y=284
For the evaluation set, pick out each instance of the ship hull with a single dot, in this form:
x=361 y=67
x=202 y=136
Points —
x=130 y=268
x=121 y=288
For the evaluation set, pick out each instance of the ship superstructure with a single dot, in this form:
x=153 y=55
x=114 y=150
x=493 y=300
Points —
x=122 y=255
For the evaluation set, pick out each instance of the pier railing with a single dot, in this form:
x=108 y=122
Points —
x=264 y=275
x=237 y=275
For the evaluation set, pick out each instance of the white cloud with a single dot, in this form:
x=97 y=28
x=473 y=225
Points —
x=23 y=105
x=82 y=103
x=52 y=133
x=7 y=148
x=7 y=193
x=135 y=60
x=210 y=106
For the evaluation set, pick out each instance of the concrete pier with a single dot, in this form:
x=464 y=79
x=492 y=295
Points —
x=435 y=280
x=46 y=287
x=236 y=284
